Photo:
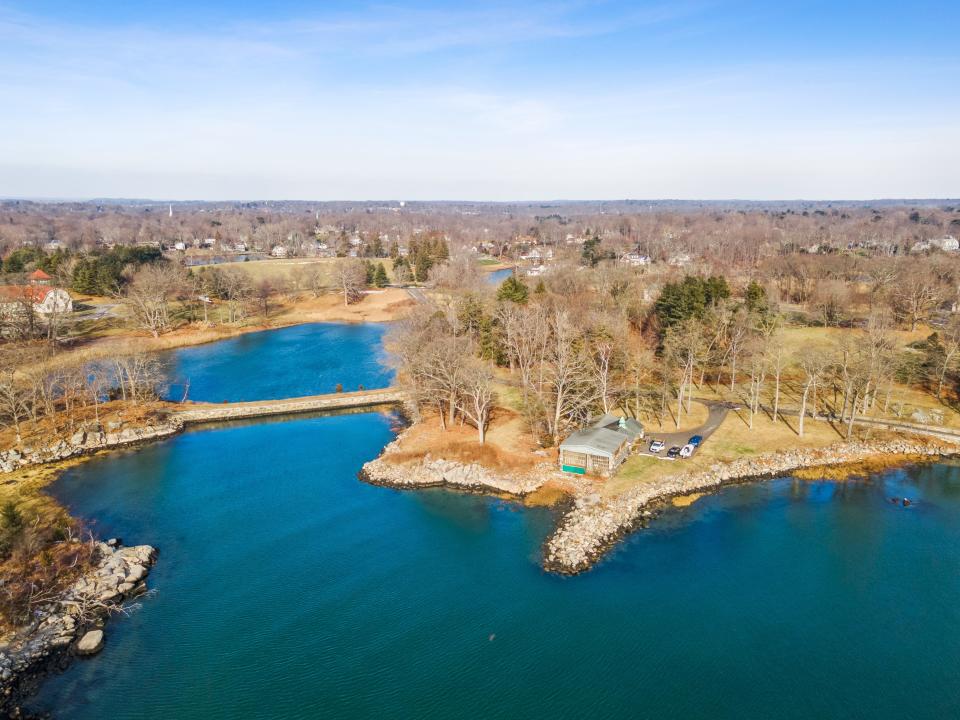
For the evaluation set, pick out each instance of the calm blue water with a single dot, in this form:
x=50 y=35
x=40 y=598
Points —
x=300 y=360
x=286 y=588
x=498 y=276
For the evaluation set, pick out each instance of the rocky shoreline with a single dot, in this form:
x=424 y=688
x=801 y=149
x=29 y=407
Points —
x=436 y=472
x=86 y=442
x=73 y=624
x=596 y=524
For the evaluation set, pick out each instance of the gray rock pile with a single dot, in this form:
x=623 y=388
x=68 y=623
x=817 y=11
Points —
x=83 y=442
x=74 y=621
x=595 y=523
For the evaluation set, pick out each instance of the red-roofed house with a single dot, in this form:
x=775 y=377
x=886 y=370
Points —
x=39 y=277
x=44 y=299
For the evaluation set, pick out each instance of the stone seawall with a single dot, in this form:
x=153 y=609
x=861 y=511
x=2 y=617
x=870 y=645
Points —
x=84 y=442
x=205 y=412
x=594 y=525
x=73 y=624
x=430 y=472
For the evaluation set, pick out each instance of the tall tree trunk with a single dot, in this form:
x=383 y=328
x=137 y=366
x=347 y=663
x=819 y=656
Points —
x=853 y=414
x=776 y=398
x=452 y=407
x=803 y=408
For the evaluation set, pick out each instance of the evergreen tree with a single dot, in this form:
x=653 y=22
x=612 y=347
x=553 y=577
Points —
x=590 y=255
x=756 y=298
x=491 y=342
x=689 y=298
x=11 y=519
x=470 y=314
x=380 y=278
x=513 y=290
x=422 y=264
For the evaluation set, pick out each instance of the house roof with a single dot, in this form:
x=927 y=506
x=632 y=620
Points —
x=605 y=435
x=39 y=274
x=34 y=293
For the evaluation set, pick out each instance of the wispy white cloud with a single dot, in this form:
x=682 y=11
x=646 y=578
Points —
x=380 y=103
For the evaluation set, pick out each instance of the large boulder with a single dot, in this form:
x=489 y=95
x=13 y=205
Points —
x=91 y=643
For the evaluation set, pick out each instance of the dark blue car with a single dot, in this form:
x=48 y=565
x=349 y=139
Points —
x=696 y=440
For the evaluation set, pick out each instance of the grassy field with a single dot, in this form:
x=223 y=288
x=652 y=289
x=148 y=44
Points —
x=732 y=440
x=279 y=271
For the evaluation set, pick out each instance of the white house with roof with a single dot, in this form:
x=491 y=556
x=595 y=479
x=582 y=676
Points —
x=635 y=259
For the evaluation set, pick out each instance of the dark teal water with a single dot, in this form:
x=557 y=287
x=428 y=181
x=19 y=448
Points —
x=286 y=588
x=294 y=361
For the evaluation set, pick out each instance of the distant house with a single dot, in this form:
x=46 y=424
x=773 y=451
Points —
x=679 y=260
x=180 y=245
x=947 y=243
x=538 y=255
x=635 y=259
x=39 y=277
x=601 y=447
x=44 y=300
x=278 y=251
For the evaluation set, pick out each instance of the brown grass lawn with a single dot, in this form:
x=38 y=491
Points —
x=732 y=440
x=508 y=447
x=277 y=270
x=376 y=306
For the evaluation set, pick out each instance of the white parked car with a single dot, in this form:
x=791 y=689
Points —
x=656 y=446
x=687 y=450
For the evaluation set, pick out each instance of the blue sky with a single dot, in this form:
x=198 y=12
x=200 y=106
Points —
x=244 y=100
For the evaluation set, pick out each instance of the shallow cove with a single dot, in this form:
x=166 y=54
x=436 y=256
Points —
x=289 y=362
x=286 y=588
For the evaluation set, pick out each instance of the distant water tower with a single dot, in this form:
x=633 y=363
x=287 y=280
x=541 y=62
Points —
x=402 y=203
x=170 y=211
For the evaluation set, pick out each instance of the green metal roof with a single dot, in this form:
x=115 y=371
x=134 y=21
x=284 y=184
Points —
x=604 y=436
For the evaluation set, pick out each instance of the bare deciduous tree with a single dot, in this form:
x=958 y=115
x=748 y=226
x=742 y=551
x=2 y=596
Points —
x=351 y=279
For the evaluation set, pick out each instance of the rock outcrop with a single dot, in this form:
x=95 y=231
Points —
x=595 y=523
x=430 y=472
x=73 y=623
x=85 y=442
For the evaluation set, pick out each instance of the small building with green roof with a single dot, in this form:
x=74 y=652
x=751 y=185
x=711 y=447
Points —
x=601 y=447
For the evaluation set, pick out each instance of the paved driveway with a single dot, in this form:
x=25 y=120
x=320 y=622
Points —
x=417 y=294
x=716 y=415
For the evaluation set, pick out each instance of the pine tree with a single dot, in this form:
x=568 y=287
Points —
x=422 y=264
x=380 y=278
x=513 y=290
x=756 y=298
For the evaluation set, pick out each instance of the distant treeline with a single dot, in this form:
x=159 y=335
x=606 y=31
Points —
x=96 y=273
